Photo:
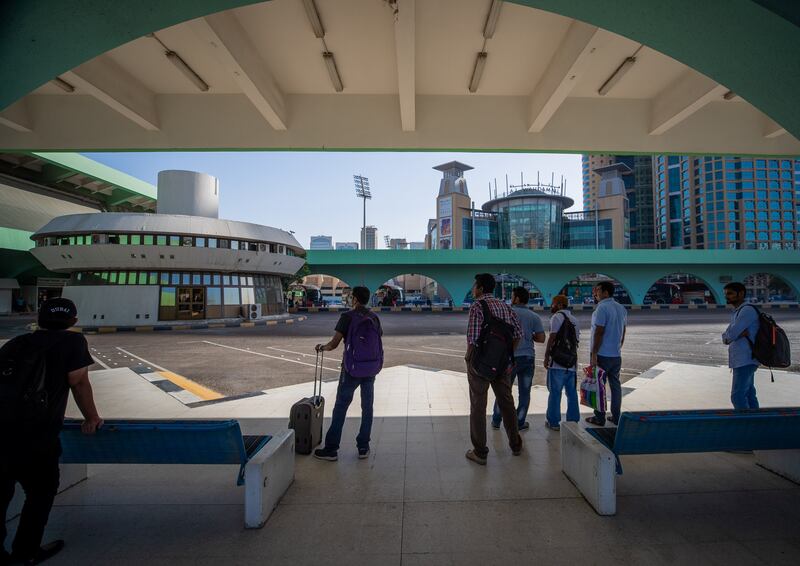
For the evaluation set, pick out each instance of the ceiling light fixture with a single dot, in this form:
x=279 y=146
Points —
x=63 y=85
x=176 y=60
x=730 y=95
x=330 y=63
x=616 y=75
x=313 y=18
x=491 y=19
x=477 y=72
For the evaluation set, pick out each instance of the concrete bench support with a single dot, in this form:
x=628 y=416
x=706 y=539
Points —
x=785 y=463
x=590 y=466
x=267 y=476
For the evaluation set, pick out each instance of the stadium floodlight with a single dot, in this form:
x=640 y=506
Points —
x=362 y=191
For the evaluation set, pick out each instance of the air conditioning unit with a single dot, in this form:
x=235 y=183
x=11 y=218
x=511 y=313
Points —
x=263 y=247
x=251 y=311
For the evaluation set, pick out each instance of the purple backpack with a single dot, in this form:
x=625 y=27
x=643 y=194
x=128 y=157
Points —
x=363 y=348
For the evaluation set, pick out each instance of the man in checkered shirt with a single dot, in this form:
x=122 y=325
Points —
x=482 y=290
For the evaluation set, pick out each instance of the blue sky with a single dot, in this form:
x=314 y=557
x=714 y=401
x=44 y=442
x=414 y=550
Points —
x=312 y=193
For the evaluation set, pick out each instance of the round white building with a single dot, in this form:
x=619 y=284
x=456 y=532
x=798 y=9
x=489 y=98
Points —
x=183 y=263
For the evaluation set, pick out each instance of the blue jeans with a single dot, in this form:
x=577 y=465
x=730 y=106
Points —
x=612 y=367
x=743 y=391
x=558 y=379
x=523 y=368
x=344 y=396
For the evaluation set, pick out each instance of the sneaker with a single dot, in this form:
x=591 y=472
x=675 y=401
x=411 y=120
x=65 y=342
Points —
x=475 y=458
x=524 y=426
x=46 y=551
x=519 y=450
x=554 y=427
x=495 y=425
x=363 y=453
x=328 y=454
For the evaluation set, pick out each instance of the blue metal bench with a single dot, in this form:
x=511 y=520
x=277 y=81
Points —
x=260 y=457
x=590 y=456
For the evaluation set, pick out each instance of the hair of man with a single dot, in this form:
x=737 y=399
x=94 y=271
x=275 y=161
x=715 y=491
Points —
x=361 y=294
x=522 y=294
x=486 y=282
x=606 y=287
x=736 y=287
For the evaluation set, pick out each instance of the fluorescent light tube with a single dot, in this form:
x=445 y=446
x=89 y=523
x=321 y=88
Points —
x=63 y=85
x=477 y=72
x=176 y=60
x=330 y=63
x=491 y=19
x=313 y=18
x=616 y=75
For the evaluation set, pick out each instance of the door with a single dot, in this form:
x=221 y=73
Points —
x=191 y=303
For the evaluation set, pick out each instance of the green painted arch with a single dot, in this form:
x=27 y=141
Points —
x=716 y=289
x=628 y=281
x=424 y=273
x=750 y=46
x=792 y=282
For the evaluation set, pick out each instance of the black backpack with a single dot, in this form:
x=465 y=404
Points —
x=564 y=350
x=24 y=401
x=771 y=345
x=495 y=348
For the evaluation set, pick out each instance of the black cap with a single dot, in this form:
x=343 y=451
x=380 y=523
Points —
x=58 y=309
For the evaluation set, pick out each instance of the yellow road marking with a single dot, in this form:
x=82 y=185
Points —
x=203 y=392
x=144 y=329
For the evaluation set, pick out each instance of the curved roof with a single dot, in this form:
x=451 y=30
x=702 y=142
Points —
x=527 y=193
x=165 y=224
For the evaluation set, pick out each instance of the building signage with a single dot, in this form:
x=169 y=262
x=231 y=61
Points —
x=445 y=207
x=446 y=227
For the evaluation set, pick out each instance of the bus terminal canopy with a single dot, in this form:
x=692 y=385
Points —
x=531 y=75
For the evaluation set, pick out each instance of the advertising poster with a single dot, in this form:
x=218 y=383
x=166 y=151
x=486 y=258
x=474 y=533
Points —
x=446 y=227
x=445 y=207
x=444 y=243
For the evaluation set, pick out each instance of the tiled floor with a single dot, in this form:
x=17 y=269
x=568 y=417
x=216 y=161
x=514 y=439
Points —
x=417 y=501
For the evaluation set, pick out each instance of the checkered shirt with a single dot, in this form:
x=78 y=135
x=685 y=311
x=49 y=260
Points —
x=498 y=309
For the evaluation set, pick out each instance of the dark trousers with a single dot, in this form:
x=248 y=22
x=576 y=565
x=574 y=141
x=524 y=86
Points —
x=36 y=470
x=612 y=367
x=344 y=396
x=478 y=396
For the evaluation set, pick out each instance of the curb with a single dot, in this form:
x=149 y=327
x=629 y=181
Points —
x=766 y=306
x=196 y=326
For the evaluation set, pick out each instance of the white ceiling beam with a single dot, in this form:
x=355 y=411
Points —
x=571 y=59
x=405 y=50
x=691 y=92
x=17 y=117
x=772 y=129
x=237 y=54
x=112 y=85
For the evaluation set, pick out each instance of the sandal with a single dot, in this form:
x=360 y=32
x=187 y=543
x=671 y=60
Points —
x=595 y=421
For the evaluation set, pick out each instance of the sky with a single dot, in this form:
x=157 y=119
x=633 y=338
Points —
x=312 y=193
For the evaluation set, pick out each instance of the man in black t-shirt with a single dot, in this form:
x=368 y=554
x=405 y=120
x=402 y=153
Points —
x=349 y=383
x=30 y=454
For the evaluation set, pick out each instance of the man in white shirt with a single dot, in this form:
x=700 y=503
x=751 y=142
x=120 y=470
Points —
x=609 y=320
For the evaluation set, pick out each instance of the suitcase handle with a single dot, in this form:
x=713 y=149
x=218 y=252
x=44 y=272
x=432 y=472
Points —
x=318 y=368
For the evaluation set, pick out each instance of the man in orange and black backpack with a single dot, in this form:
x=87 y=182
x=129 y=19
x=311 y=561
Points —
x=493 y=333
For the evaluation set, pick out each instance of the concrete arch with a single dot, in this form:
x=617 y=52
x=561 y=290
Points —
x=422 y=274
x=793 y=286
x=634 y=292
x=772 y=69
x=717 y=291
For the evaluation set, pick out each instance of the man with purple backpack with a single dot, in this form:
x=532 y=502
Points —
x=363 y=359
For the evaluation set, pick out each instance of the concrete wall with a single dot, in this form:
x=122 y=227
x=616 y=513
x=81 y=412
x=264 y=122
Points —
x=109 y=305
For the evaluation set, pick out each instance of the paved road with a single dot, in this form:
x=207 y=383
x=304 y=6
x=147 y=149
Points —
x=234 y=361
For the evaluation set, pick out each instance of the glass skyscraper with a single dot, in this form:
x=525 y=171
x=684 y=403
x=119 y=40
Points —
x=726 y=202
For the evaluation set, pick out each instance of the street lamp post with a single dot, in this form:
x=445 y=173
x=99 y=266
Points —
x=363 y=192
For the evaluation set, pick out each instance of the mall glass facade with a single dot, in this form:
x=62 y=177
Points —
x=588 y=234
x=531 y=224
x=727 y=203
x=485 y=234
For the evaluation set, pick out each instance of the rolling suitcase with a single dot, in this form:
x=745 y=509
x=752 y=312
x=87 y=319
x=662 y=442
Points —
x=306 y=415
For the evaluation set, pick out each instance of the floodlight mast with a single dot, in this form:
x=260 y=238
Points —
x=363 y=192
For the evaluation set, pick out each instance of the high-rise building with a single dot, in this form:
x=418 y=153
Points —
x=321 y=243
x=397 y=244
x=370 y=238
x=346 y=245
x=727 y=202
x=416 y=245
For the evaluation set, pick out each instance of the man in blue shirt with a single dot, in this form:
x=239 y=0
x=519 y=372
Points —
x=524 y=356
x=742 y=329
x=608 y=334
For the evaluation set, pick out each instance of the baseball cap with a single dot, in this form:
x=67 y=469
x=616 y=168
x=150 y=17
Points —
x=57 y=310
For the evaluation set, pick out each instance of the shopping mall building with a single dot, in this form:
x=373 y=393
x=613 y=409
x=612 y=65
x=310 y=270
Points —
x=181 y=263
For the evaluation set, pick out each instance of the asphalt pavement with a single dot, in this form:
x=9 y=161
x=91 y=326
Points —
x=241 y=360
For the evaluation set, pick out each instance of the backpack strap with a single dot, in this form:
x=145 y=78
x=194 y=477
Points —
x=487 y=314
